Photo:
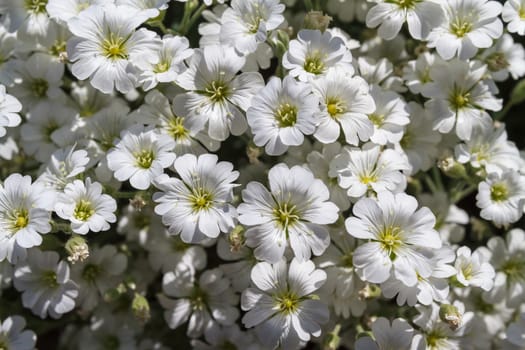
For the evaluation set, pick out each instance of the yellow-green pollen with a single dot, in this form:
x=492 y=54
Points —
x=377 y=119
x=201 y=199
x=83 y=210
x=461 y=27
x=144 y=158
x=467 y=271
x=499 y=192
x=162 y=66
x=285 y=214
x=286 y=115
x=390 y=239
x=515 y=270
x=20 y=219
x=114 y=47
x=287 y=303
x=459 y=99
x=35 y=6
x=335 y=107
x=314 y=63
x=217 y=91
x=176 y=128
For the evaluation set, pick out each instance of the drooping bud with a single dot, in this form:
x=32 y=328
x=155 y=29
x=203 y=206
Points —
x=236 y=238
x=452 y=168
x=316 y=20
x=450 y=315
x=77 y=249
x=140 y=308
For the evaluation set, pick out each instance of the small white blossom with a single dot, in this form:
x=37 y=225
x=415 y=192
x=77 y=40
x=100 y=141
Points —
x=9 y=108
x=473 y=269
x=13 y=335
x=86 y=207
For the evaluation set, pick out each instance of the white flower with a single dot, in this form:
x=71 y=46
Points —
x=47 y=129
x=153 y=8
x=468 y=25
x=217 y=94
x=37 y=79
x=205 y=302
x=198 y=204
x=508 y=259
x=24 y=216
x=97 y=274
x=28 y=18
x=369 y=169
x=501 y=197
x=140 y=156
x=473 y=269
x=433 y=288
x=281 y=306
x=513 y=14
x=420 y=141
x=345 y=104
x=396 y=336
x=246 y=23
x=45 y=284
x=106 y=42
x=63 y=10
x=490 y=150
x=505 y=57
x=166 y=64
x=222 y=336
x=188 y=133
x=421 y=16
x=86 y=207
x=13 y=335
x=281 y=114
x=389 y=117
x=459 y=97
x=319 y=165
x=416 y=73
x=295 y=209
x=313 y=52
x=9 y=108
x=397 y=232
x=63 y=167
x=166 y=252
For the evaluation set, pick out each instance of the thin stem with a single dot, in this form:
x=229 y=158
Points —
x=501 y=114
x=187 y=26
x=431 y=185
x=308 y=4
x=436 y=175
x=458 y=196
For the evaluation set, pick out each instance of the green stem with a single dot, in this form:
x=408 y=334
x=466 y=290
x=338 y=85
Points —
x=431 y=185
x=436 y=175
x=125 y=194
x=458 y=196
x=308 y=4
x=185 y=27
x=501 y=114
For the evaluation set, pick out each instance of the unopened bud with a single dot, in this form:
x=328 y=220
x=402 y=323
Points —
x=369 y=291
x=138 y=202
x=77 y=249
x=451 y=316
x=236 y=238
x=496 y=61
x=452 y=168
x=253 y=152
x=316 y=20
x=140 y=308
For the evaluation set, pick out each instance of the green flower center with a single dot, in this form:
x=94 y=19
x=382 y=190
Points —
x=314 y=63
x=436 y=339
x=514 y=269
x=459 y=98
x=58 y=48
x=217 y=91
x=499 y=192
x=144 y=158
x=467 y=271
x=406 y=141
x=286 y=214
x=198 y=299
x=286 y=115
x=20 y=219
x=35 y=6
x=335 y=107
x=114 y=47
x=287 y=303
x=404 y=4
x=390 y=238
x=176 y=128
x=347 y=261
x=49 y=279
x=83 y=210
x=39 y=87
x=201 y=199
x=461 y=27
x=497 y=61
x=91 y=272
x=377 y=119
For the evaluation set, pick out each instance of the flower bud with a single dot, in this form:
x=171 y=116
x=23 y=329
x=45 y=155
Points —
x=140 y=308
x=451 y=316
x=316 y=20
x=452 y=168
x=236 y=238
x=77 y=249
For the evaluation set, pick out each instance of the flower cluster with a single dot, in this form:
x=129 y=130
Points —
x=262 y=174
